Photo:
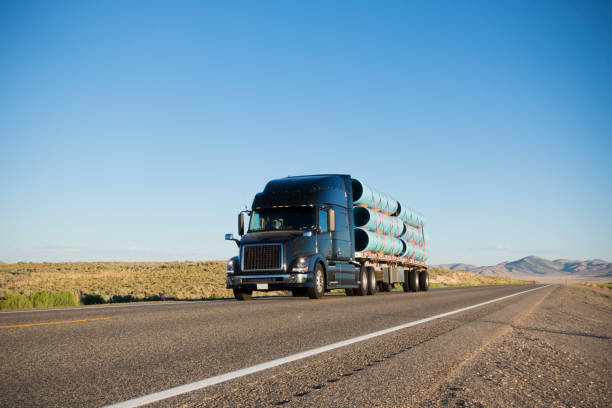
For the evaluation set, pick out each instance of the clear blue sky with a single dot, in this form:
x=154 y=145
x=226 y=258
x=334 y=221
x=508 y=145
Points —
x=136 y=130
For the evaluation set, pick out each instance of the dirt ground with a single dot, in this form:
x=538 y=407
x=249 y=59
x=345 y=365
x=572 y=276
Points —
x=557 y=355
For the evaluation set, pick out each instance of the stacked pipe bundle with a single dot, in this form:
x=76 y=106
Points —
x=384 y=225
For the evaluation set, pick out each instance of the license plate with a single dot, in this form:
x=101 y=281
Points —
x=262 y=286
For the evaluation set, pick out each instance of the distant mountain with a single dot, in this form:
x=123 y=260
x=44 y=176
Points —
x=534 y=267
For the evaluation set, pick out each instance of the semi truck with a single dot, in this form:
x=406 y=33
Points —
x=313 y=234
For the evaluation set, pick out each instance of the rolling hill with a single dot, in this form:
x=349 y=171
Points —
x=543 y=269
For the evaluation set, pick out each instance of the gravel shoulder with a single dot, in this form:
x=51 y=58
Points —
x=558 y=354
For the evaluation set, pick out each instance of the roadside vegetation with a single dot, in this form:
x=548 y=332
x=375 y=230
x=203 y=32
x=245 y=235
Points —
x=28 y=285
x=602 y=285
x=38 y=299
x=115 y=282
x=439 y=277
x=602 y=288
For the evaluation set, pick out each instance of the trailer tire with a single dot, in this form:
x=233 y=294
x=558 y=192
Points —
x=349 y=291
x=372 y=284
x=318 y=289
x=362 y=289
x=424 y=281
x=413 y=281
x=243 y=294
x=405 y=285
x=386 y=287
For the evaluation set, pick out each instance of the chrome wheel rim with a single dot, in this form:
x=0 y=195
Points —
x=319 y=281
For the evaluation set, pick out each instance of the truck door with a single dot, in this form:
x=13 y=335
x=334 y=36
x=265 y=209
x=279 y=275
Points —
x=341 y=239
x=341 y=244
x=324 y=241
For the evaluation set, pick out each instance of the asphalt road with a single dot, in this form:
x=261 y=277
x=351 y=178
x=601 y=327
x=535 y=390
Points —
x=100 y=355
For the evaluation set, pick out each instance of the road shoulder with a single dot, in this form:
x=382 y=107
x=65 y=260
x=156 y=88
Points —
x=559 y=354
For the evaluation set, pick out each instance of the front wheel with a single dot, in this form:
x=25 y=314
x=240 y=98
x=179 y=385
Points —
x=318 y=289
x=243 y=294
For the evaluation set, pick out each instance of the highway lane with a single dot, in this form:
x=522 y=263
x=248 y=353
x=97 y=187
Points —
x=131 y=351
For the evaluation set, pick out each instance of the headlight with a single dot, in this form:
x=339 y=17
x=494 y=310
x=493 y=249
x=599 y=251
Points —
x=301 y=266
x=230 y=266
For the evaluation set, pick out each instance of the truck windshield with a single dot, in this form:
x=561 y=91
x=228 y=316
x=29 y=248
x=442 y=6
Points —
x=286 y=219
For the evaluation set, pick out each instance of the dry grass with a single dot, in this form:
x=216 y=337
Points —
x=446 y=277
x=602 y=285
x=140 y=280
x=604 y=289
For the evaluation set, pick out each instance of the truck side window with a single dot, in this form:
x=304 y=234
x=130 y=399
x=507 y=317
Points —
x=323 y=220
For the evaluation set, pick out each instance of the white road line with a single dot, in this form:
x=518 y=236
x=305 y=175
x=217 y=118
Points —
x=183 y=389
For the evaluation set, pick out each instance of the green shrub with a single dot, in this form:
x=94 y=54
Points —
x=92 y=299
x=64 y=298
x=41 y=299
x=15 y=301
x=123 y=299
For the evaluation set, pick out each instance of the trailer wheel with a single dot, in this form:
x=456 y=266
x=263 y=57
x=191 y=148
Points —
x=413 y=281
x=386 y=287
x=243 y=294
x=405 y=285
x=318 y=289
x=424 y=280
x=349 y=291
x=372 y=284
x=362 y=289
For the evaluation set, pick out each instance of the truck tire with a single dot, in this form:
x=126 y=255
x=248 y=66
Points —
x=318 y=289
x=372 y=285
x=424 y=280
x=349 y=291
x=362 y=289
x=243 y=294
x=405 y=285
x=413 y=281
x=386 y=287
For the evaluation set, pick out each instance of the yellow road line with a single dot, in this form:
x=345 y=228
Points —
x=60 y=322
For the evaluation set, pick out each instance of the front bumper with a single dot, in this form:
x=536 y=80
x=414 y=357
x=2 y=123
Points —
x=274 y=282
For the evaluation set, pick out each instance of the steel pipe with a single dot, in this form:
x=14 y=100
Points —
x=379 y=222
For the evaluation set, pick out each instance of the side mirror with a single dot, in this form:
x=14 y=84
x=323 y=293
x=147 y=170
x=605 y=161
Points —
x=241 y=224
x=232 y=237
x=331 y=219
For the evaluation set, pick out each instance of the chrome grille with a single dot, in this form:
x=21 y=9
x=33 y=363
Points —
x=256 y=257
